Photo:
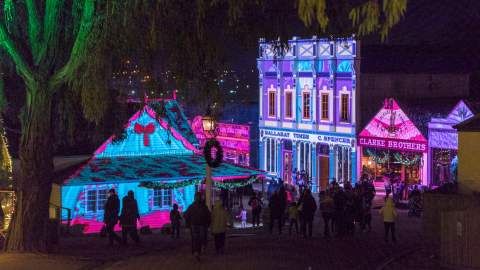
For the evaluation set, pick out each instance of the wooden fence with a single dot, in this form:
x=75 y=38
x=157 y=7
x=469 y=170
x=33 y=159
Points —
x=460 y=238
x=435 y=204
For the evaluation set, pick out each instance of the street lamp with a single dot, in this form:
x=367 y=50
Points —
x=209 y=126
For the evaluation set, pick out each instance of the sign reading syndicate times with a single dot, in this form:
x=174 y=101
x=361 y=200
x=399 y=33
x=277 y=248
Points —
x=314 y=138
x=399 y=145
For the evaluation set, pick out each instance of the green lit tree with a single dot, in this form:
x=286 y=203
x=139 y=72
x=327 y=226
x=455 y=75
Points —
x=65 y=48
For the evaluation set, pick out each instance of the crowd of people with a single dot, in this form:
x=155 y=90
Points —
x=344 y=210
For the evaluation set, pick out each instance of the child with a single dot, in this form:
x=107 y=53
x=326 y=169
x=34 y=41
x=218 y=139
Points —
x=175 y=219
x=293 y=217
x=389 y=214
x=243 y=216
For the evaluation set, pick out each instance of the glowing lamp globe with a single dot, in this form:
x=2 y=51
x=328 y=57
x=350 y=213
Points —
x=208 y=123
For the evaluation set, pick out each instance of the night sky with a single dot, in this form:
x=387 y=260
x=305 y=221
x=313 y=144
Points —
x=443 y=35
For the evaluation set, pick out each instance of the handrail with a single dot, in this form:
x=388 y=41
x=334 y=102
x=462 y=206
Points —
x=69 y=214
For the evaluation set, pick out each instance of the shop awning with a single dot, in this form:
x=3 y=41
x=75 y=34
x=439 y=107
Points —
x=165 y=168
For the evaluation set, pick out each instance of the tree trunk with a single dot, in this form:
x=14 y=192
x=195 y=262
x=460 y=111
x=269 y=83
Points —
x=28 y=230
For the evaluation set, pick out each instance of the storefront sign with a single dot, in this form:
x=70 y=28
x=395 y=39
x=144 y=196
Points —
x=233 y=131
x=400 y=145
x=314 y=138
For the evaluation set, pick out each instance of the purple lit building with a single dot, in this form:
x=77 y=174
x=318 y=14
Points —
x=443 y=142
x=308 y=110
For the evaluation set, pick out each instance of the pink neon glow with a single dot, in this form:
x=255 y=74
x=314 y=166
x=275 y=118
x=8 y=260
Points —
x=155 y=219
x=236 y=177
x=391 y=128
x=230 y=136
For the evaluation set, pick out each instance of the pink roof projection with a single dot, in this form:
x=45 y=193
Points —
x=392 y=129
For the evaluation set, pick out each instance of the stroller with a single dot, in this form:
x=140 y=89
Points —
x=415 y=206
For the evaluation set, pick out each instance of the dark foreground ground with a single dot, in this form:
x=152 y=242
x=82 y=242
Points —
x=246 y=249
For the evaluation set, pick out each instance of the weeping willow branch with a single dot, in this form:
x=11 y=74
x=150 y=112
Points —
x=310 y=9
x=79 y=46
x=367 y=16
x=33 y=29
x=51 y=31
x=10 y=47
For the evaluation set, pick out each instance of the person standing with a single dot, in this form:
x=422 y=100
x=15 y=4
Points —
x=243 y=217
x=275 y=212
x=309 y=206
x=219 y=226
x=293 y=217
x=129 y=217
x=197 y=218
x=367 y=211
x=110 y=216
x=175 y=220
x=327 y=208
x=389 y=215
x=283 y=203
x=339 y=201
x=256 y=205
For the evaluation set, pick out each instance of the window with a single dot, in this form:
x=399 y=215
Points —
x=324 y=107
x=344 y=108
x=271 y=155
x=306 y=105
x=288 y=105
x=271 y=103
x=96 y=199
x=162 y=198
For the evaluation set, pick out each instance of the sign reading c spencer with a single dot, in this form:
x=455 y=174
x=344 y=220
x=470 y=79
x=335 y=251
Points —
x=399 y=145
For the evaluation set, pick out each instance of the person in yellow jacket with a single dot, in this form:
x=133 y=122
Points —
x=389 y=215
x=219 y=226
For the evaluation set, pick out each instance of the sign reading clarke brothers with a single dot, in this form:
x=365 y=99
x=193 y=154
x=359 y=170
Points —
x=314 y=138
x=393 y=144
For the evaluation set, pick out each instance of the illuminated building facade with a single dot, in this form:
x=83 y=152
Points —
x=443 y=143
x=158 y=160
x=392 y=145
x=308 y=110
x=234 y=139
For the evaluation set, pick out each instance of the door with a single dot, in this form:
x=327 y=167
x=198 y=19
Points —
x=323 y=169
x=287 y=166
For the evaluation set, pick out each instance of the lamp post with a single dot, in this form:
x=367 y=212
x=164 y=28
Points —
x=209 y=125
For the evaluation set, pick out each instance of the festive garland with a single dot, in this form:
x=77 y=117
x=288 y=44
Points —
x=377 y=159
x=207 y=152
x=223 y=185
x=406 y=161
x=161 y=185
x=232 y=185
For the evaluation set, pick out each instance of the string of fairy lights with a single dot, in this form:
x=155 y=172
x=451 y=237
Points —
x=404 y=159
x=7 y=200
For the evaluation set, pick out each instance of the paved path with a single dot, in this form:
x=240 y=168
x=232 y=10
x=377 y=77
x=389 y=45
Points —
x=248 y=249
x=264 y=251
